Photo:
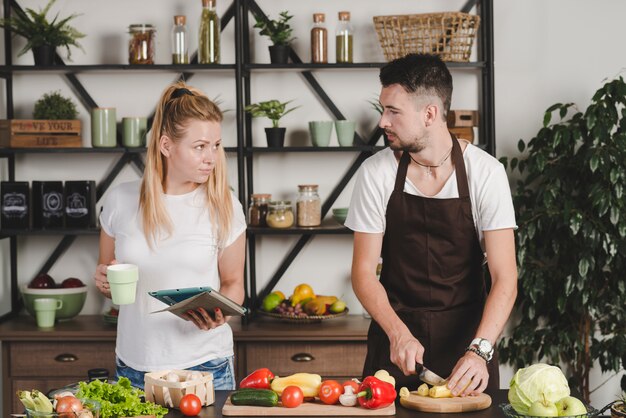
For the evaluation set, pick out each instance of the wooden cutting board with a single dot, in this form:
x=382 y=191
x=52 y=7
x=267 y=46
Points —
x=446 y=405
x=316 y=408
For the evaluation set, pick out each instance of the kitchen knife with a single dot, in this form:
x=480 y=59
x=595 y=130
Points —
x=429 y=377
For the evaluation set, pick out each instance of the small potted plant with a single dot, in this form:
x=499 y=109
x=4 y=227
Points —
x=54 y=106
x=43 y=36
x=618 y=409
x=279 y=33
x=273 y=110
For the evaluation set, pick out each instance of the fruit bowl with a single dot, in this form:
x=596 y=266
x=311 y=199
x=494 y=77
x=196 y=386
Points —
x=308 y=319
x=73 y=300
x=92 y=406
x=510 y=412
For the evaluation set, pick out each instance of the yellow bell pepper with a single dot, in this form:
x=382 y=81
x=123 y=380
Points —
x=309 y=383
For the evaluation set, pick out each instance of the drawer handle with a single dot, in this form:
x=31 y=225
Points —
x=66 y=358
x=301 y=357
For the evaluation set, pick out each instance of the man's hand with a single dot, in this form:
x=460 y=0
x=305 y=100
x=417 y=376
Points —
x=405 y=351
x=470 y=369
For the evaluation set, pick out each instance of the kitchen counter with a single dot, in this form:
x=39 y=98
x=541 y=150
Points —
x=493 y=411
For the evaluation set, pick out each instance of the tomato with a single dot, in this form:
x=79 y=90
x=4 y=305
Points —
x=330 y=392
x=292 y=396
x=352 y=383
x=190 y=405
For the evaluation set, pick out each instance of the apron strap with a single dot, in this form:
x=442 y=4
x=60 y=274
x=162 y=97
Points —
x=459 y=167
x=403 y=166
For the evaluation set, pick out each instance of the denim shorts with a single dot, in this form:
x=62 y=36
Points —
x=221 y=368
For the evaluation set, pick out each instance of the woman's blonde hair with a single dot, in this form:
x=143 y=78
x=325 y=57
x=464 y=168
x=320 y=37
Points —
x=179 y=104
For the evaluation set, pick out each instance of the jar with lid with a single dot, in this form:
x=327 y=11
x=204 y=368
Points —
x=180 y=41
x=343 y=36
x=141 y=44
x=209 y=34
x=280 y=214
x=319 y=40
x=257 y=212
x=309 y=205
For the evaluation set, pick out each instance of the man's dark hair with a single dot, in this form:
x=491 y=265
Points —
x=421 y=74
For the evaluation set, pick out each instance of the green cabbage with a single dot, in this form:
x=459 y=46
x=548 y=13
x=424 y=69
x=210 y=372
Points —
x=530 y=384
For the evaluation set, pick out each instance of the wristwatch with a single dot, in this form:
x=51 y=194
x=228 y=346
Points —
x=482 y=347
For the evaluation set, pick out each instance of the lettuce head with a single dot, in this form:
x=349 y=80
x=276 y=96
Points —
x=532 y=383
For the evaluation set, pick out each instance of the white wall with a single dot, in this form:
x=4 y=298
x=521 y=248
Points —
x=545 y=52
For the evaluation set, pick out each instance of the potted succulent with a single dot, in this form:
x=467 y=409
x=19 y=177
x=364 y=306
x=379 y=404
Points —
x=279 y=33
x=43 y=36
x=54 y=106
x=273 y=110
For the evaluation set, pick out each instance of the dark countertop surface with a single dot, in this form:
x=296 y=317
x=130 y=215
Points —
x=493 y=411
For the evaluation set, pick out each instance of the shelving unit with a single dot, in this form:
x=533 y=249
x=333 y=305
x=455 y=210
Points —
x=243 y=70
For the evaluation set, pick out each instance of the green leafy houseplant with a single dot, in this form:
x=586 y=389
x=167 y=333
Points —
x=38 y=31
x=279 y=31
x=54 y=106
x=571 y=211
x=274 y=110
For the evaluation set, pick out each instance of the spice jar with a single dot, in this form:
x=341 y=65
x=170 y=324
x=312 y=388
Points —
x=141 y=44
x=343 y=36
x=309 y=205
x=280 y=214
x=319 y=40
x=180 y=41
x=257 y=212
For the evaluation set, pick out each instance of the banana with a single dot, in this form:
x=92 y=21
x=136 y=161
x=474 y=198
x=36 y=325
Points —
x=42 y=403
x=26 y=399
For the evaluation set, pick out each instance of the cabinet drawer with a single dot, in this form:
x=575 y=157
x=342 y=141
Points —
x=42 y=385
x=60 y=359
x=327 y=359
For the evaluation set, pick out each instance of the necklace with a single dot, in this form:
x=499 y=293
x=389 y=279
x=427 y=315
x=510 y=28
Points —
x=429 y=167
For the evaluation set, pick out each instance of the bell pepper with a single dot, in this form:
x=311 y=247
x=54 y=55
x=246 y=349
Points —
x=375 y=393
x=309 y=383
x=258 y=379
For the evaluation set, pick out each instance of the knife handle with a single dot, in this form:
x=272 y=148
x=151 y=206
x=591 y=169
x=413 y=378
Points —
x=419 y=368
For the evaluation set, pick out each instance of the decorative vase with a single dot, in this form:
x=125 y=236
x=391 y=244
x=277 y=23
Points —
x=279 y=54
x=275 y=137
x=44 y=55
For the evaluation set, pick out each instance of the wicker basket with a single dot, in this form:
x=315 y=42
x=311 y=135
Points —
x=169 y=394
x=449 y=34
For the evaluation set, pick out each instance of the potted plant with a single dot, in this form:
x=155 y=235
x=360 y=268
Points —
x=54 y=106
x=618 y=409
x=273 y=110
x=571 y=242
x=43 y=36
x=279 y=33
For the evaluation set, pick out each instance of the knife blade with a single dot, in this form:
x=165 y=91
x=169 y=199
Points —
x=428 y=376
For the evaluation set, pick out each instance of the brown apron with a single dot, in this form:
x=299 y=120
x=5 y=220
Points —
x=432 y=272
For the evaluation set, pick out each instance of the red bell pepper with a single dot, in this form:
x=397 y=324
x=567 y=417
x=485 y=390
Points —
x=375 y=393
x=258 y=379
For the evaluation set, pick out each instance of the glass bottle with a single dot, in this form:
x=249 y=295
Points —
x=319 y=40
x=344 y=38
x=308 y=205
x=209 y=34
x=141 y=44
x=280 y=214
x=257 y=212
x=180 y=41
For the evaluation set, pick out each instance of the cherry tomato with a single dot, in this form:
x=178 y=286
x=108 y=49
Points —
x=352 y=383
x=190 y=405
x=292 y=396
x=330 y=392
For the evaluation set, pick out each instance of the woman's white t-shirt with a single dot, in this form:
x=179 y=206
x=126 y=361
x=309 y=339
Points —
x=188 y=258
x=490 y=194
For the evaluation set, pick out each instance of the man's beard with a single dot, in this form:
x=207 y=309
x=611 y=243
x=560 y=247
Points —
x=415 y=145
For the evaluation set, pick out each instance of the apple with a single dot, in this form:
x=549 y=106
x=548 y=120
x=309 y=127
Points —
x=72 y=282
x=42 y=281
x=570 y=406
x=543 y=408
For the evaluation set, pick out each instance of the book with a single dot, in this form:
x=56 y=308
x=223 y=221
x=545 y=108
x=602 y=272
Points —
x=181 y=301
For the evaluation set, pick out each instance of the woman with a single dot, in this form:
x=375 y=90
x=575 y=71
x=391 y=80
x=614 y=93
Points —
x=183 y=227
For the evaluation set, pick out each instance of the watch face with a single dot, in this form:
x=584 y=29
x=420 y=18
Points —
x=484 y=346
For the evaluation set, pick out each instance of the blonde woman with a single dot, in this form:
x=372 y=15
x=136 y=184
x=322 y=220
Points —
x=183 y=227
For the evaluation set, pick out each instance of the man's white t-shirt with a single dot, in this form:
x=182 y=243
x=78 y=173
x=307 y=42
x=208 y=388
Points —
x=490 y=194
x=188 y=258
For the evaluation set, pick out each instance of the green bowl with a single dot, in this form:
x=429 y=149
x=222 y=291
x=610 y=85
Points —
x=73 y=299
x=341 y=211
x=341 y=218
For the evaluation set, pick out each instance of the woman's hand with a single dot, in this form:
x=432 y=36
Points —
x=206 y=321
x=101 y=279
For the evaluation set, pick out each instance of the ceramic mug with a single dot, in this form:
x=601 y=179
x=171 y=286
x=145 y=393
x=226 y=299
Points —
x=345 y=132
x=320 y=132
x=123 y=283
x=103 y=127
x=45 y=311
x=134 y=131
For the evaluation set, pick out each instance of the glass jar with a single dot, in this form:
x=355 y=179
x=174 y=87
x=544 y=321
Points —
x=280 y=214
x=309 y=205
x=141 y=44
x=343 y=37
x=257 y=212
x=180 y=41
x=319 y=40
x=209 y=34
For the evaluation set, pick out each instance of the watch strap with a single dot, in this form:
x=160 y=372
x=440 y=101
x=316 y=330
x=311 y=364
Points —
x=475 y=350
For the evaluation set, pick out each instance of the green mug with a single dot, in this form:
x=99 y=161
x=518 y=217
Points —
x=45 y=311
x=103 y=127
x=345 y=132
x=134 y=131
x=122 y=280
x=320 y=132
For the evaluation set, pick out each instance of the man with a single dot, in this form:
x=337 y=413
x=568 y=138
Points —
x=432 y=205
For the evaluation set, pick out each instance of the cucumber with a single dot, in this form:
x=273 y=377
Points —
x=254 y=397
